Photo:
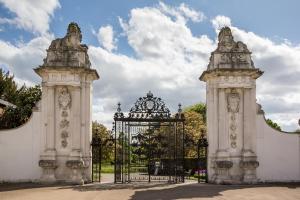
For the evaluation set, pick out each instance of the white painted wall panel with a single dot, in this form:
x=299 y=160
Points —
x=278 y=154
x=20 y=151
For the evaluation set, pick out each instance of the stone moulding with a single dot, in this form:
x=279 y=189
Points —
x=251 y=164
x=224 y=164
x=75 y=164
x=44 y=70
x=253 y=73
x=51 y=164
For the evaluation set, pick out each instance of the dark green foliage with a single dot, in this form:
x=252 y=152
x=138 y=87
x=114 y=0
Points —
x=273 y=124
x=24 y=98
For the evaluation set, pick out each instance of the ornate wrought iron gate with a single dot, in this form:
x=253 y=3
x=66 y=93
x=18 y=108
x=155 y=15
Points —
x=98 y=145
x=149 y=143
x=202 y=159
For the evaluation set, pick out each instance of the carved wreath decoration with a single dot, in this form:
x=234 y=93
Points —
x=233 y=102
x=64 y=98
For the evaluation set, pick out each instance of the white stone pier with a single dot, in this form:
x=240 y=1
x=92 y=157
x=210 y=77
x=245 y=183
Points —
x=66 y=102
x=231 y=112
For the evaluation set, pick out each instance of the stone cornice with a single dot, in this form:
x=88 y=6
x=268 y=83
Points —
x=253 y=73
x=42 y=69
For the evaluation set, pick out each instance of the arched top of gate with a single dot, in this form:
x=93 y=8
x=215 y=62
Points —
x=148 y=107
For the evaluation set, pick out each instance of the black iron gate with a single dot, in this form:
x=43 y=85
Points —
x=149 y=143
x=201 y=172
x=98 y=145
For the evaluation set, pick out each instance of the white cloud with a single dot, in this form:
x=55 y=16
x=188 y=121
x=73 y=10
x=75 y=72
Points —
x=221 y=21
x=195 y=16
x=31 y=15
x=20 y=60
x=153 y=34
x=169 y=61
x=105 y=37
x=183 y=12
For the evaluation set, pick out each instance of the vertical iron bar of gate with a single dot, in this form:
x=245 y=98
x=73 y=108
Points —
x=100 y=160
x=175 y=152
x=169 y=151
x=92 y=161
x=198 y=160
x=122 y=157
x=183 y=153
x=129 y=149
x=206 y=171
x=115 y=129
x=149 y=153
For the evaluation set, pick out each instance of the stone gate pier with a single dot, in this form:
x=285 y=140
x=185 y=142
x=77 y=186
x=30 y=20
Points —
x=66 y=110
x=242 y=147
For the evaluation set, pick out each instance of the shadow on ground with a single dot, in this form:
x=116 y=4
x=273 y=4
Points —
x=189 y=191
x=4 y=187
x=154 y=191
x=165 y=191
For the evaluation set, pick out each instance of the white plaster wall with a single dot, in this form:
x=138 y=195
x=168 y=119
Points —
x=20 y=151
x=278 y=154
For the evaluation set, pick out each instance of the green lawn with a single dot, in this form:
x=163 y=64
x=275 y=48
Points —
x=105 y=168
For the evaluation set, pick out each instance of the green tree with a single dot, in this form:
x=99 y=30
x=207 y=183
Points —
x=198 y=108
x=23 y=97
x=273 y=124
x=195 y=124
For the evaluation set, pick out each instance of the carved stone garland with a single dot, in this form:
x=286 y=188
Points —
x=64 y=101
x=233 y=101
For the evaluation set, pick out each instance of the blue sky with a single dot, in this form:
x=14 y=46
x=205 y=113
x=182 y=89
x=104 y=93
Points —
x=162 y=46
x=268 y=18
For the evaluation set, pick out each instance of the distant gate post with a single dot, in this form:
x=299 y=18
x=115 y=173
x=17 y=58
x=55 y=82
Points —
x=66 y=106
x=231 y=112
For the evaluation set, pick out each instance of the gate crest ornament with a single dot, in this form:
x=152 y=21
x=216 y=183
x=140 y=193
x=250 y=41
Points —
x=149 y=107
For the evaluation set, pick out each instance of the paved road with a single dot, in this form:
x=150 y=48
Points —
x=145 y=191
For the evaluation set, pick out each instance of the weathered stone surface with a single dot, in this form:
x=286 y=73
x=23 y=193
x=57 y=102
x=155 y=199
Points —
x=230 y=54
x=67 y=100
x=231 y=112
x=224 y=164
x=48 y=164
x=68 y=51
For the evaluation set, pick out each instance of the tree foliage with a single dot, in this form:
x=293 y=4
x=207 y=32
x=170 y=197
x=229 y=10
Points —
x=273 y=124
x=198 y=108
x=100 y=131
x=23 y=97
x=195 y=124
